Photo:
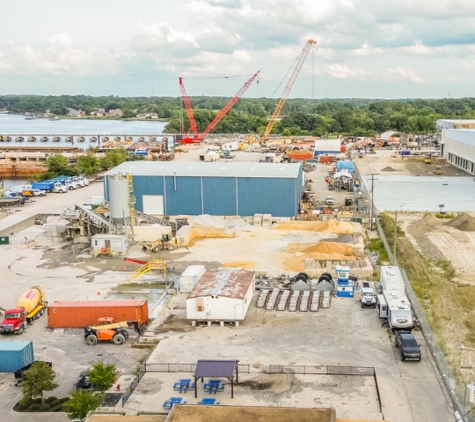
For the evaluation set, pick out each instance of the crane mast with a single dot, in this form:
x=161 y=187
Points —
x=189 y=109
x=198 y=138
x=281 y=103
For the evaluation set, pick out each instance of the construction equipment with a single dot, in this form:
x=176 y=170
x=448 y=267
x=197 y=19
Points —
x=107 y=251
x=197 y=138
x=165 y=243
x=281 y=103
x=155 y=264
x=29 y=307
x=427 y=159
x=109 y=330
x=438 y=170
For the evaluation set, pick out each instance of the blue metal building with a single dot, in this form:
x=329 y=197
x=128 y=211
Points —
x=215 y=188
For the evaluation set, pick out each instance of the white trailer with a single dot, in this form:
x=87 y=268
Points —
x=396 y=309
x=230 y=146
x=391 y=279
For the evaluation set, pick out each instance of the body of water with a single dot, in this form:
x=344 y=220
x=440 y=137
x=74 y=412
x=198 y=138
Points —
x=17 y=125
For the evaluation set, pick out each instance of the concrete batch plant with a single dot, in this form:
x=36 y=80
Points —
x=216 y=188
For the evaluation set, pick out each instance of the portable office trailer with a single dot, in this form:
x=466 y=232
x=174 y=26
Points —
x=222 y=188
x=79 y=314
x=221 y=295
x=117 y=242
x=190 y=277
x=15 y=355
x=391 y=279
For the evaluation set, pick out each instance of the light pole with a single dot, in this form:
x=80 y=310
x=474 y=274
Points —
x=372 y=203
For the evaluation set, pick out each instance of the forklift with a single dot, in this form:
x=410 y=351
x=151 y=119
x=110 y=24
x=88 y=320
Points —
x=111 y=331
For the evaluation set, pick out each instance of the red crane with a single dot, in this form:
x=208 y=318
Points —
x=198 y=138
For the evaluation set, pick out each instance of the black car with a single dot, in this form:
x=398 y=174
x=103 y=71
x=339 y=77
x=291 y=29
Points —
x=407 y=345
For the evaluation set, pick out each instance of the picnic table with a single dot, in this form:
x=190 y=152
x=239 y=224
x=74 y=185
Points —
x=183 y=385
x=213 y=386
x=168 y=404
x=208 y=401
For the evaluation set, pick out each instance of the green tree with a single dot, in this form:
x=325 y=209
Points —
x=127 y=113
x=58 y=166
x=36 y=380
x=114 y=158
x=81 y=403
x=102 y=376
x=89 y=163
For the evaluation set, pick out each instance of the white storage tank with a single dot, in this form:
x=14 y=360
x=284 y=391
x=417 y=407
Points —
x=190 y=277
x=119 y=197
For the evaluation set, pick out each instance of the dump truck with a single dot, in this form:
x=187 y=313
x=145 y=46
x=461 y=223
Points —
x=30 y=306
x=111 y=331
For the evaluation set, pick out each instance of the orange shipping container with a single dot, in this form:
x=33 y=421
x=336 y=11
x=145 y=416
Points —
x=79 y=314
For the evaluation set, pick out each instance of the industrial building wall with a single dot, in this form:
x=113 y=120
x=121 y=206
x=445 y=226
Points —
x=266 y=196
x=195 y=195
x=460 y=154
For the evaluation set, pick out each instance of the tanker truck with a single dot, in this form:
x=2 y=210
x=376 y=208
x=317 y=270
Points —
x=29 y=307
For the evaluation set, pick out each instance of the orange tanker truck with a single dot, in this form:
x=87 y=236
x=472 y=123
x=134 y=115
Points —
x=29 y=307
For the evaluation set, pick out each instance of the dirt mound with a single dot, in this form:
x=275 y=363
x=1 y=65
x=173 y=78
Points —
x=388 y=168
x=462 y=222
x=426 y=224
x=245 y=265
x=329 y=226
x=330 y=248
x=323 y=251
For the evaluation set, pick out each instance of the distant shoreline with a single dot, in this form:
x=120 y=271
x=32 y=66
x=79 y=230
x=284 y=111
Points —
x=92 y=118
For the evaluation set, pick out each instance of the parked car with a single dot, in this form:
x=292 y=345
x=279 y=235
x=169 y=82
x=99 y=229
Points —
x=38 y=192
x=407 y=345
x=329 y=200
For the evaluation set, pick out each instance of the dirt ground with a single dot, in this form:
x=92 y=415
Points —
x=387 y=162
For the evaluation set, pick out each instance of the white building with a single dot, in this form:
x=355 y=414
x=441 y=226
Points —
x=221 y=295
x=455 y=124
x=458 y=148
x=190 y=277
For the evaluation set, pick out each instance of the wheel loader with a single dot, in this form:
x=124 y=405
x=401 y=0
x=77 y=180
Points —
x=110 y=331
x=165 y=243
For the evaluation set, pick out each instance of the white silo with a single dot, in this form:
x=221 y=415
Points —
x=119 y=198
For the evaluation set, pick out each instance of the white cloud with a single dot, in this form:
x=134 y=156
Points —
x=159 y=34
x=242 y=56
x=339 y=71
x=401 y=73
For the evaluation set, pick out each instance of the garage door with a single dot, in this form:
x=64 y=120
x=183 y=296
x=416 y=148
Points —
x=153 y=204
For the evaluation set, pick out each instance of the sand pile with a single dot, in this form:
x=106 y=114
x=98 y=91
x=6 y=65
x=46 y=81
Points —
x=388 y=168
x=462 y=222
x=329 y=226
x=245 y=265
x=426 y=224
x=323 y=251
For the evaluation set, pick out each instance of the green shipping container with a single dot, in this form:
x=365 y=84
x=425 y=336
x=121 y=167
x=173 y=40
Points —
x=357 y=220
x=5 y=240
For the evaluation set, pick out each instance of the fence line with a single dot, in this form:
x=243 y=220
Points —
x=133 y=385
x=321 y=370
x=186 y=367
x=456 y=392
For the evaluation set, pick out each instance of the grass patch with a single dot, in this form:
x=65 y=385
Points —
x=377 y=246
x=447 y=215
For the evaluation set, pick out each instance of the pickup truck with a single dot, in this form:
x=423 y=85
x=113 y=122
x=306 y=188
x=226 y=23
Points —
x=329 y=200
x=368 y=296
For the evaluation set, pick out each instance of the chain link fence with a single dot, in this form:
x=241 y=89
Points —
x=456 y=391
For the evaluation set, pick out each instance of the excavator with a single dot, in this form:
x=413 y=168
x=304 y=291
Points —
x=110 y=331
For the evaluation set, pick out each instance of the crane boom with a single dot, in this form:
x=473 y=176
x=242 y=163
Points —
x=228 y=106
x=189 y=109
x=281 y=103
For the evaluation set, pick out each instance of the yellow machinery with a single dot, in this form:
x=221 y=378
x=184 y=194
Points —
x=154 y=264
x=109 y=330
x=281 y=103
x=105 y=251
x=438 y=170
x=427 y=159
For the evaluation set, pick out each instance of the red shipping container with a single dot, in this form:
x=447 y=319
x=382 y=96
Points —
x=79 y=314
x=343 y=148
x=327 y=158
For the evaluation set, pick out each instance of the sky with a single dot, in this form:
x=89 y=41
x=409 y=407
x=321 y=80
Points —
x=365 y=48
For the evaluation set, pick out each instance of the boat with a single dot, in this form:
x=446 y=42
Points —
x=5 y=202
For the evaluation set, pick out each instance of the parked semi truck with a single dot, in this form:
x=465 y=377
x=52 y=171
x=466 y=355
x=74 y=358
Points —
x=30 y=306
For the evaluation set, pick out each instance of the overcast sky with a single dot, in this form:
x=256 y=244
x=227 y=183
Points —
x=365 y=48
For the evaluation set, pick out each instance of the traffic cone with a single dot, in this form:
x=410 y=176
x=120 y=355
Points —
x=125 y=269
x=98 y=293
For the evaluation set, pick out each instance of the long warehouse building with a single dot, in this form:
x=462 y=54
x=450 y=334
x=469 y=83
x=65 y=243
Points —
x=458 y=147
x=215 y=188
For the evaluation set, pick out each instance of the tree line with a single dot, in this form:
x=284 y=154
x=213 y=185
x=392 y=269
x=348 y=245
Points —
x=317 y=117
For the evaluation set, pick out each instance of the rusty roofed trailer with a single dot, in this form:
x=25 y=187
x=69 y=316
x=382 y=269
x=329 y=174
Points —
x=79 y=314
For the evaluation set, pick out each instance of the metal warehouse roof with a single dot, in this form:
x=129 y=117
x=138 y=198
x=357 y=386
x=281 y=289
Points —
x=212 y=169
x=467 y=136
x=225 y=282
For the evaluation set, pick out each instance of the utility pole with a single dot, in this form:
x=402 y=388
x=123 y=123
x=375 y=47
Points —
x=395 y=237
x=372 y=203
